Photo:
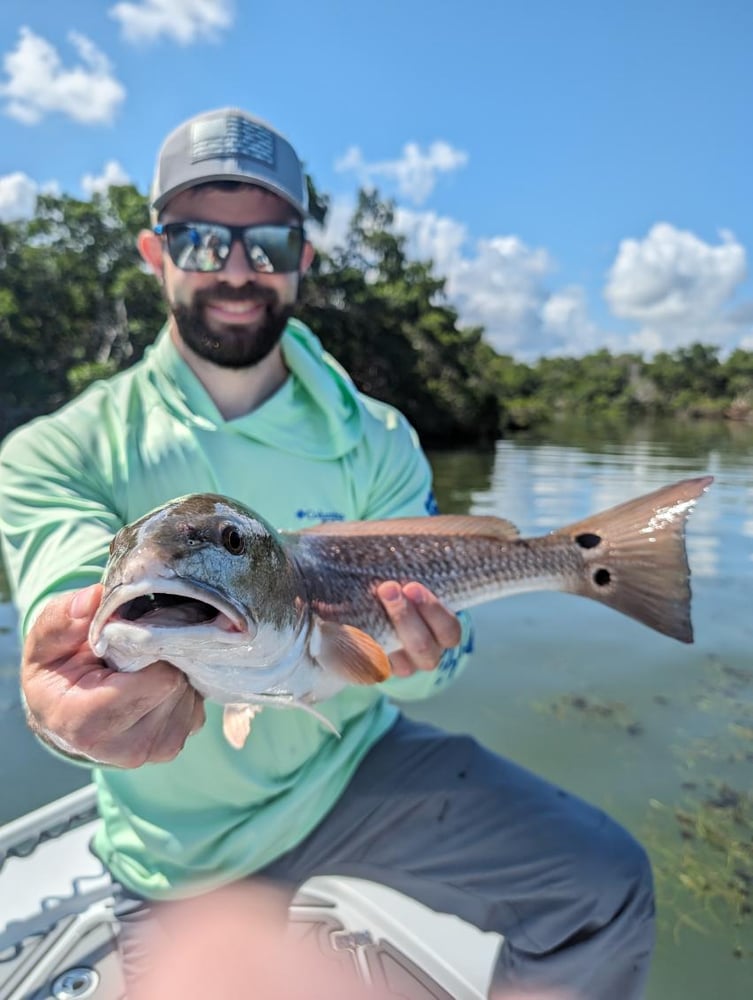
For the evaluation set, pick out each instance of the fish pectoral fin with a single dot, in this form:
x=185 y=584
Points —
x=236 y=723
x=352 y=653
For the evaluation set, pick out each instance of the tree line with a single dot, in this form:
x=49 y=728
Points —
x=76 y=304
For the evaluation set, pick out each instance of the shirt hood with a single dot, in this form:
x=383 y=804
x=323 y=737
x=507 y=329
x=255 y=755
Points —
x=317 y=411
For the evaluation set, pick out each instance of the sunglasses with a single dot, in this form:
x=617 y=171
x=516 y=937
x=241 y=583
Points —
x=206 y=246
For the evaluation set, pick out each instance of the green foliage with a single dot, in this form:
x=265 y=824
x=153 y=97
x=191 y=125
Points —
x=69 y=277
x=89 y=371
x=76 y=304
x=318 y=202
x=387 y=321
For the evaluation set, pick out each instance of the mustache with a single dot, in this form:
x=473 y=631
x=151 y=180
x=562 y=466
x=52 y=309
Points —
x=231 y=293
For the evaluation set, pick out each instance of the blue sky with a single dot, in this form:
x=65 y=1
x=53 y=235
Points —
x=580 y=172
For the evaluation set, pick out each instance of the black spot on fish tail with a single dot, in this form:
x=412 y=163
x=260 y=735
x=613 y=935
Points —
x=588 y=540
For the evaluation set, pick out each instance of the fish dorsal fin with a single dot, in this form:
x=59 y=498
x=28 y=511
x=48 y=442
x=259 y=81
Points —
x=352 y=653
x=482 y=526
x=236 y=723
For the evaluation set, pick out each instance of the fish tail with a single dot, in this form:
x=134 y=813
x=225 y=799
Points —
x=636 y=560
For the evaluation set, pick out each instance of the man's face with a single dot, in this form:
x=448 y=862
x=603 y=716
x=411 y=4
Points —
x=236 y=316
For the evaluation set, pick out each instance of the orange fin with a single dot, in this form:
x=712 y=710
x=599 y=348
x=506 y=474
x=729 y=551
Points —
x=442 y=524
x=352 y=653
x=236 y=723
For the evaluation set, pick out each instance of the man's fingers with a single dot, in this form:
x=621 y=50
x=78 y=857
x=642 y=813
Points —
x=416 y=638
x=78 y=703
x=424 y=626
x=62 y=626
x=101 y=715
x=401 y=664
x=199 y=716
x=85 y=602
x=122 y=699
x=443 y=623
x=160 y=735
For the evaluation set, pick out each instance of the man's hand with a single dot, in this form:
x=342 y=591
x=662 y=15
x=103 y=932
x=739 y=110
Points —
x=425 y=627
x=80 y=706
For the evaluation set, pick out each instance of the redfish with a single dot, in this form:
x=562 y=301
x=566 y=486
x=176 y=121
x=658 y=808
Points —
x=257 y=617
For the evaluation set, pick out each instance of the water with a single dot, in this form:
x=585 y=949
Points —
x=657 y=733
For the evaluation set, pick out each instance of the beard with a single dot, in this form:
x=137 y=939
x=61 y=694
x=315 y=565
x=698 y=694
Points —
x=234 y=345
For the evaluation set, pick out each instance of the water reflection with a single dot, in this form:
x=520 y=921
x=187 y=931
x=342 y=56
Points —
x=674 y=439
x=542 y=485
x=462 y=476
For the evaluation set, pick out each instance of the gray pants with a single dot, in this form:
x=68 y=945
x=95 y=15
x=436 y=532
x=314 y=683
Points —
x=464 y=831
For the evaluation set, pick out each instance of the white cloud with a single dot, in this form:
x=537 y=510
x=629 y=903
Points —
x=569 y=328
x=678 y=288
x=113 y=174
x=333 y=233
x=415 y=173
x=500 y=283
x=38 y=84
x=433 y=237
x=673 y=284
x=18 y=197
x=502 y=286
x=183 y=21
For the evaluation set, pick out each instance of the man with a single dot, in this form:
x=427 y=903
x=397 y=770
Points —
x=235 y=397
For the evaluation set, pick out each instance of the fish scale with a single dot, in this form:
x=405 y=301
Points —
x=256 y=617
x=341 y=582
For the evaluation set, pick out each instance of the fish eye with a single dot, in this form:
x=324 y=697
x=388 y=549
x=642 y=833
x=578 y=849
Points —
x=233 y=540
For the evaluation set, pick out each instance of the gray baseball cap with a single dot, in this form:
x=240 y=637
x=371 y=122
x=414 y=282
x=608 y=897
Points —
x=228 y=145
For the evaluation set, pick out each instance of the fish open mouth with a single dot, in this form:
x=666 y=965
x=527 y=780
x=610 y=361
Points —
x=166 y=610
x=166 y=604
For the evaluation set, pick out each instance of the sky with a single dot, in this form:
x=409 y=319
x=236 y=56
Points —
x=579 y=172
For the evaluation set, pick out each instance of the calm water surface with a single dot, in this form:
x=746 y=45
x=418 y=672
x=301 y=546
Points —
x=658 y=733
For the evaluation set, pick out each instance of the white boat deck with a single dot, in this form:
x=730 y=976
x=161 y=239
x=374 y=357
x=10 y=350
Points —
x=58 y=927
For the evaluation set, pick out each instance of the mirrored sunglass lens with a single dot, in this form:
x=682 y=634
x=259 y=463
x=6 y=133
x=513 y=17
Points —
x=273 y=249
x=199 y=248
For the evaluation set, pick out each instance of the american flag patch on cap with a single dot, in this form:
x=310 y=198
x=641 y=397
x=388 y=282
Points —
x=232 y=137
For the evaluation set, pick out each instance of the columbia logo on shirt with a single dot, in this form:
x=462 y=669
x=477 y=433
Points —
x=319 y=515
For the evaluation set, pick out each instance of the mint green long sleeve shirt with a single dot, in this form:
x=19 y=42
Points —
x=316 y=450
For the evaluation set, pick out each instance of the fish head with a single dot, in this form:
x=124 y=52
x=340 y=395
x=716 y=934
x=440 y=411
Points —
x=193 y=579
